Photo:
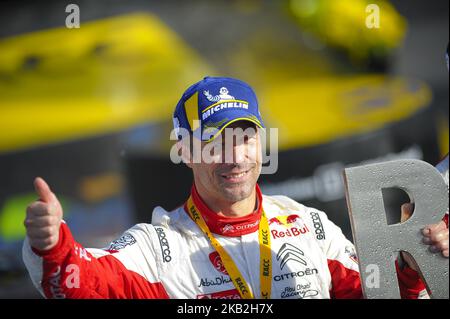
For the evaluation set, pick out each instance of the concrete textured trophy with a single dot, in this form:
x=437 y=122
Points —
x=377 y=243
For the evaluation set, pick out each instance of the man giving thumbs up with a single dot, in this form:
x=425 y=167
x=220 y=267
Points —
x=43 y=218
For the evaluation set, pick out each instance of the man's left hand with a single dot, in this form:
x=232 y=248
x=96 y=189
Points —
x=435 y=235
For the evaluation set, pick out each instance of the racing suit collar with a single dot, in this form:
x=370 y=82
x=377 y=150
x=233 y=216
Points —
x=228 y=226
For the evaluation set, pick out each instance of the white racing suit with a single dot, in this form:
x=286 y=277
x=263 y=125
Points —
x=172 y=258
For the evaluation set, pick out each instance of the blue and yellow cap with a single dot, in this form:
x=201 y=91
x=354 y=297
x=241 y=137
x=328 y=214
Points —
x=209 y=106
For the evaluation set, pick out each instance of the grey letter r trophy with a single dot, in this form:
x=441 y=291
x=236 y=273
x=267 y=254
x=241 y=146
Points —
x=377 y=243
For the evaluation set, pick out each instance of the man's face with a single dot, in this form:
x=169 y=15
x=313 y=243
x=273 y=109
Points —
x=235 y=168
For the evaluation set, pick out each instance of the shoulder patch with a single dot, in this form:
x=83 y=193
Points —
x=122 y=242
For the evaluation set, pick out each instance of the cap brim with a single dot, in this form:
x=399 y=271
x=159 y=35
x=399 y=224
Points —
x=235 y=116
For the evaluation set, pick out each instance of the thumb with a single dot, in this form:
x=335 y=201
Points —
x=43 y=190
x=434 y=228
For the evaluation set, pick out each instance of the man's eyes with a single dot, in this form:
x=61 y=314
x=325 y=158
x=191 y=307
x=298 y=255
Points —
x=246 y=139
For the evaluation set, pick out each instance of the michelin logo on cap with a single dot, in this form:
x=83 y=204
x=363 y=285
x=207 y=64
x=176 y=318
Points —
x=221 y=97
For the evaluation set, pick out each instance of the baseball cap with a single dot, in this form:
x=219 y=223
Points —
x=210 y=105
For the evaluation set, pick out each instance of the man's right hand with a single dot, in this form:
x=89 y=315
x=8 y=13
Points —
x=43 y=218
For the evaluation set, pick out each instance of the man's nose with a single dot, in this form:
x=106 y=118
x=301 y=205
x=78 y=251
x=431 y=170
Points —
x=239 y=153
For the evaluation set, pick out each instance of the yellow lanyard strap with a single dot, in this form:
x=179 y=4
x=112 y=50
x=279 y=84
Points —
x=234 y=273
